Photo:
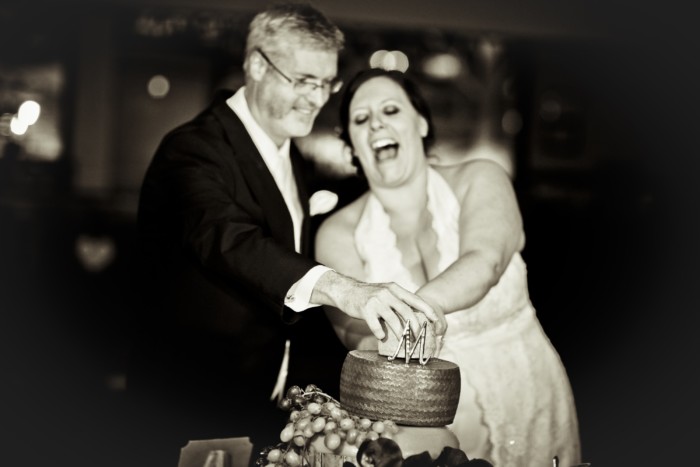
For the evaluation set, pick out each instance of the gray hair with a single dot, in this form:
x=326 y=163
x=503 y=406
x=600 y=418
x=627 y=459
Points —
x=293 y=25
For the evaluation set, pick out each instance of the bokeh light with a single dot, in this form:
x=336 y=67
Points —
x=29 y=112
x=158 y=86
x=389 y=60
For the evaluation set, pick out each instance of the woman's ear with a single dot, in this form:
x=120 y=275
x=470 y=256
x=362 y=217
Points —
x=423 y=127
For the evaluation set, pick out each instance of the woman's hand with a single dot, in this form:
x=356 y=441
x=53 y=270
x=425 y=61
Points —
x=440 y=325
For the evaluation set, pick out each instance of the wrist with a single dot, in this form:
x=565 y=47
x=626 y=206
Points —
x=330 y=288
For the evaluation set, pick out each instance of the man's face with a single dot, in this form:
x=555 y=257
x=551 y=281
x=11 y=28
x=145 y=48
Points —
x=280 y=109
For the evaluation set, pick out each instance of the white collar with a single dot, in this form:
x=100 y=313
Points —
x=268 y=149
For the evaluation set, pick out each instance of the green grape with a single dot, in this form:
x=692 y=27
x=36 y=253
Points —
x=274 y=456
x=314 y=408
x=330 y=426
x=360 y=438
x=332 y=441
x=318 y=424
x=299 y=439
x=372 y=435
x=347 y=424
x=351 y=436
x=391 y=426
x=378 y=427
x=299 y=400
x=336 y=413
x=294 y=415
x=365 y=423
x=292 y=458
x=287 y=433
x=327 y=407
x=285 y=404
x=302 y=423
x=309 y=431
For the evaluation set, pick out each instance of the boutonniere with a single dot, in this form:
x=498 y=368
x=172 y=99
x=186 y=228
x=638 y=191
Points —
x=322 y=201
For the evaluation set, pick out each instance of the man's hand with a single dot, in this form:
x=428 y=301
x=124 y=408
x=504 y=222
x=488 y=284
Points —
x=375 y=302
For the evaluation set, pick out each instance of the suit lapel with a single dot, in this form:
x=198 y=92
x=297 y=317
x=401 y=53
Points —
x=257 y=175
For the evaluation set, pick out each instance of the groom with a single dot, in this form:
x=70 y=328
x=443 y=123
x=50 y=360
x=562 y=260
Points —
x=224 y=223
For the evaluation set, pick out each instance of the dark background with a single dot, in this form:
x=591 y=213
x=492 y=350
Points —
x=608 y=191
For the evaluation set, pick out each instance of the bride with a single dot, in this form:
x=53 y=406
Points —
x=453 y=234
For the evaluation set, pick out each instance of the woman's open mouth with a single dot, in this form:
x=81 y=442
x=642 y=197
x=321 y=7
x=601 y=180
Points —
x=385 y=149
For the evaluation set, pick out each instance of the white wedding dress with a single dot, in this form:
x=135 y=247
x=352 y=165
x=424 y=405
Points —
x=516 y=406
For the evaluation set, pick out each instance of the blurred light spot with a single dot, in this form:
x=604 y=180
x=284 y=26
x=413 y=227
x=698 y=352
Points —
x=489 y=48
x=29 y=112
x=116 y=382
x=389 y=60
x=95 y=253
x=158 y=86
x=160 y=27
x=511 y=122
x=550 y=108
x=18 y=127
x=442 y=66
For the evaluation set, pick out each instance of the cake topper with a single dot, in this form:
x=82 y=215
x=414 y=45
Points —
x=406 y=342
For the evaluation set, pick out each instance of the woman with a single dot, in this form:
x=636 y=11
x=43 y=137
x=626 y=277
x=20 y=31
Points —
x=453 y=234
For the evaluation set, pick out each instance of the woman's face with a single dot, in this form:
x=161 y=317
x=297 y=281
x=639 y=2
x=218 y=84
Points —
x=386 y=132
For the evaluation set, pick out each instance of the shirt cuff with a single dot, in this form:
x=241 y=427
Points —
x=298 y=297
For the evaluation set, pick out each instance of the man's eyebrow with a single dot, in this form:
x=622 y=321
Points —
x=303 y=76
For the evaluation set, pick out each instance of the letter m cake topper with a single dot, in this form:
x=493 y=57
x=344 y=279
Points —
x=405 y=347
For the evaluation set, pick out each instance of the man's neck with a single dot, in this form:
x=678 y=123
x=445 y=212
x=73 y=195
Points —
x=255 y=111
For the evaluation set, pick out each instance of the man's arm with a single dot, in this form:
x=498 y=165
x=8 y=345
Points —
x=372 y=302
x=205 y=204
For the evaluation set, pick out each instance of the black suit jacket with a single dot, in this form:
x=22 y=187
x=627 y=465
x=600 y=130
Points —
x=219 y=257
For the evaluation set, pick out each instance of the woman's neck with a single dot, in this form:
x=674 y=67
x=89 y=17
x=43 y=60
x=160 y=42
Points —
x=405 y=204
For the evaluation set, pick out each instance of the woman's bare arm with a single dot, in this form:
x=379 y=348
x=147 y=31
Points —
x=490 y=232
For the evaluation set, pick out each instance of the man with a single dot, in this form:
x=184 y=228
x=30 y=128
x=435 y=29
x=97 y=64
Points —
x=223 y=216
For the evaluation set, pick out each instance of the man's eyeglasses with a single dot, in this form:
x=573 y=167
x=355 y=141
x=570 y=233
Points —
x=305 y=86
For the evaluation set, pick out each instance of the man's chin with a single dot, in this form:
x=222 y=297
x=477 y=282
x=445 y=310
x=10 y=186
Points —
x=301 y=128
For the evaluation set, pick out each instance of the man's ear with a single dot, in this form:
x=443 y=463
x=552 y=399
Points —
x=256 y=66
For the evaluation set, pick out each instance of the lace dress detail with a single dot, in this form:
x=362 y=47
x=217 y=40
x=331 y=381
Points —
x=513 y=381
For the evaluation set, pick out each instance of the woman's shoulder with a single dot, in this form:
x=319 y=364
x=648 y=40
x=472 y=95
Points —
x=448 y=156
x=461 y=176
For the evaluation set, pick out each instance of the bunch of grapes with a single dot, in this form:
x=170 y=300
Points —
x=312 y=412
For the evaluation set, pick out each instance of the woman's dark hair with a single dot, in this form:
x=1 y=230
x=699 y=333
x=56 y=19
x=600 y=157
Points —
x=399 y=78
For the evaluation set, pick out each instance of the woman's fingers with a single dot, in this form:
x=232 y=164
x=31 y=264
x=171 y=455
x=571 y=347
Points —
x=433 y=314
